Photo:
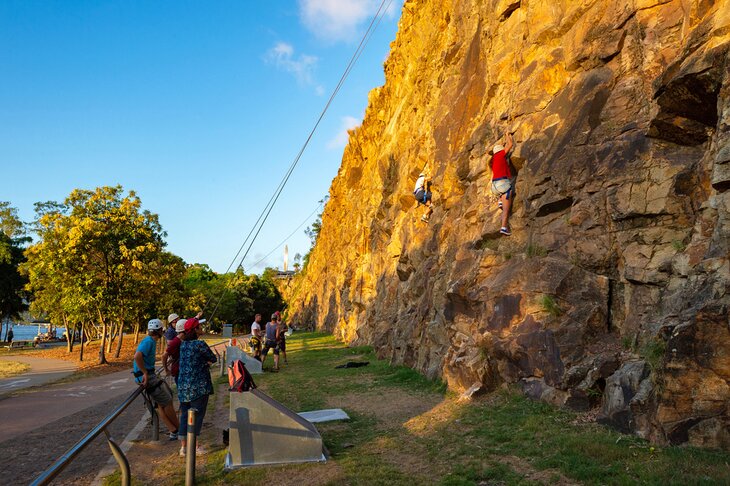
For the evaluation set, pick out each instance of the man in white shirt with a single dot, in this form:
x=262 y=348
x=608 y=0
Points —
x=255 y=342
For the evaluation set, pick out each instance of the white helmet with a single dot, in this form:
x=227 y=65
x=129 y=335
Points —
x=154 y=325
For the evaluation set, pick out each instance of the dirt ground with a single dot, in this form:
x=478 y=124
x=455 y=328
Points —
x=159 y=463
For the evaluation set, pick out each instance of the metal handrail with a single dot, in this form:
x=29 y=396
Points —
x=49 y=474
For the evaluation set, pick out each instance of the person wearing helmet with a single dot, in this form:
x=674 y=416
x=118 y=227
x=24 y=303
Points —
x=502 y=181
x=171 y=332
x=271 y=341
x=144 y=374
x=422 y=194
x=171 y=356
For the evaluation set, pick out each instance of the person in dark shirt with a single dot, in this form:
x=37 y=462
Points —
x=271 y=341
x=171 y=356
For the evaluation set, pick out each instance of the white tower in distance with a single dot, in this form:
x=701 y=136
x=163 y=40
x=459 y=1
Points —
x=286 y=257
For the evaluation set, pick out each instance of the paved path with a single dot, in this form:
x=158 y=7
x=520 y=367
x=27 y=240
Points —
x=42 y=370
x=29 y=411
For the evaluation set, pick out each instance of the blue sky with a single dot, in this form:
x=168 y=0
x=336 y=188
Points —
x=198 y=106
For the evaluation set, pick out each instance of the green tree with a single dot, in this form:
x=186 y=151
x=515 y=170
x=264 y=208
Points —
x=99 y=262
x=12 y=283
x=232 y=298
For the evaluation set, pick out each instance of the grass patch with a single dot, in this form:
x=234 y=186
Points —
x=535 y=250
x=407 y=430
x=548 y=304
x=12 y=368
x=679 y=245
x=487 y=244
x=653 y=352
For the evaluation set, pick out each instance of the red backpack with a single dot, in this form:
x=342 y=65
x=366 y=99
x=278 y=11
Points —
x=239 y=379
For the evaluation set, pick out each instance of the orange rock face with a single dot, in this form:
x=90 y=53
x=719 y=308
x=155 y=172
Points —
x=613 y=289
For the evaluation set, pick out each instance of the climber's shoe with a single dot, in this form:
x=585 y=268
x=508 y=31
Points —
x=505 y=231
x=424 y=218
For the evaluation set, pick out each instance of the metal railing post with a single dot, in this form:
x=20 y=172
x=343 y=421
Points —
x=121 y=459
x=190 y=453
x=223 y=362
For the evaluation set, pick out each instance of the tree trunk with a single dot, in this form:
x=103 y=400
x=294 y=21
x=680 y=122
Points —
x=81 y=345
x=136 y=332
x=110 y=339
x=120 y=339
x=102 y=348
x=69 y=335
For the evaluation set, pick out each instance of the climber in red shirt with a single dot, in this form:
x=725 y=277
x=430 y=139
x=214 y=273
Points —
x=502 y=181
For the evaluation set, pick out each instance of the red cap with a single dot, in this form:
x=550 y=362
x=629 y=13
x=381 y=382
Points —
x=191 y=324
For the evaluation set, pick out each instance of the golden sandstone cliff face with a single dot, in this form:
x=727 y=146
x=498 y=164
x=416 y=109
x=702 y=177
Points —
x=614 y=289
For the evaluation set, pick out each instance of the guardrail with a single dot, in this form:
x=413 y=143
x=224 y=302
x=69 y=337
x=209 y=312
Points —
x=49 y=474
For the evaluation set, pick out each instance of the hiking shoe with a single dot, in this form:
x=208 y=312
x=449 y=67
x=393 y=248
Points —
x=200 y=451
x=173 y=435
x=424 y=218
x=182 y=451
x=505 y=231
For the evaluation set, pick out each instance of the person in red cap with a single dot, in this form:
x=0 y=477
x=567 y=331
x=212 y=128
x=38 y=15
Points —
x=194 y=384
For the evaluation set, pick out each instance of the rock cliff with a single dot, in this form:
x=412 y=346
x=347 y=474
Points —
x=613 y=290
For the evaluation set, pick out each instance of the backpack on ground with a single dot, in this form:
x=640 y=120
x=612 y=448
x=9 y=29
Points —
x=239 y=379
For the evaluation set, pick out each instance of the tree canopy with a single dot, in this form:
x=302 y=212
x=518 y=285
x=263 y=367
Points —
x=99 y=258
x=12 y=283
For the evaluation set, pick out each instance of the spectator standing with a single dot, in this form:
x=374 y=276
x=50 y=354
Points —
x=144 y=374
x=194 y=384
x=171 y=356
x=171 y=331
x=281 y=330
x=256 y=337
x=271 y=341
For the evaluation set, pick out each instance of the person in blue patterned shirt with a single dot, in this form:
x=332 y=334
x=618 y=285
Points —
x=194 y=384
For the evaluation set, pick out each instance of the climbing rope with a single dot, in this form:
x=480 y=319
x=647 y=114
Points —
x=256 y=229
x=319 y=207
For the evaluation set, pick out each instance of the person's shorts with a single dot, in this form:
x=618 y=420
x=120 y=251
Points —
x=502 y=187
x=158 y=390
x=270 y=344
x=255 y=344
x=282 y=345
x=422 y=196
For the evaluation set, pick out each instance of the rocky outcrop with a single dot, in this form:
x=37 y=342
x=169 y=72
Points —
x=613 y=290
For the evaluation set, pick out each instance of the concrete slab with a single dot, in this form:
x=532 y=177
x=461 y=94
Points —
x=328 y=415
x=263 y=431
x=252 y=365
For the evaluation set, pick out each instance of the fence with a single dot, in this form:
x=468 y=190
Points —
x=49 y=474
